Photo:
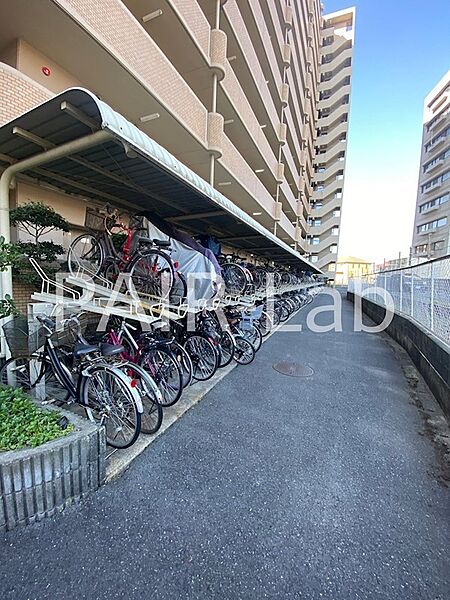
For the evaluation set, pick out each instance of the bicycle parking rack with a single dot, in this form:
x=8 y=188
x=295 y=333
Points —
x=91 y=293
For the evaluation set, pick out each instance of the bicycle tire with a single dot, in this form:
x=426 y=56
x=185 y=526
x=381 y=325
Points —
x=227 y=349
x=235 y=278
x=204 y=357
x=126 y=406
x=147 y=279
x=184 y=361
x=244 y=352
x=152 y=416
x=98 y=256
x=54 y=390
x=163 y=367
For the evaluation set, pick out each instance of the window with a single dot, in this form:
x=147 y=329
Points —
x=337 y=212
x=315 y=222
x=435 y=202
x=333 y=248
x=335 y=231
x=439 y=245
x=435 y=182
x=436 y=119
x=436 y=160
x=314 y=258
x=332 y=266
x=421 y=248
x=437 y=139
x=432 y=225
x=315 y=241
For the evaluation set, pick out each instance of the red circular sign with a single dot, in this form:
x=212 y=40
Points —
x=46 y=71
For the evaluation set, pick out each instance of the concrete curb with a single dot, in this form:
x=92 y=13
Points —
x=37 y=482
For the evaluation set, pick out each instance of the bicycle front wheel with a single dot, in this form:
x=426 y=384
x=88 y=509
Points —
x=35 y=375
x=205 y=359
x=166 y=373
x=152 y=274
x=85 y=255
x=235 y=278
x=226 y=349
x=244 y=352
x=152 y=416
x=110 y=400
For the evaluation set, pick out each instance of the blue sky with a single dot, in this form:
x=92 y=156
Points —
x=402 y=50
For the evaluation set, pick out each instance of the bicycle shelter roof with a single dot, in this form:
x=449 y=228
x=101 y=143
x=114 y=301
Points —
x=130 y=170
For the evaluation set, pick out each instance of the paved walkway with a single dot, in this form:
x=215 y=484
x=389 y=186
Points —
x=272 y=487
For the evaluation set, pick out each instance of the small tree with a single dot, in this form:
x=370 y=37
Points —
x=37 y=220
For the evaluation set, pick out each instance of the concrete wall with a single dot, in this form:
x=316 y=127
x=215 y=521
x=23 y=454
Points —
x=429 y=354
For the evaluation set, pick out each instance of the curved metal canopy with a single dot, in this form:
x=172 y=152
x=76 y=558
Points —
x=145 y=175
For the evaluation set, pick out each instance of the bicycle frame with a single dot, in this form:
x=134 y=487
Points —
x=60 y=371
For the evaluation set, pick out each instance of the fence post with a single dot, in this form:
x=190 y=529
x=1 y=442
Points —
x=412 y=293
x=401 y=292
x=385 y=288
x=432 y=298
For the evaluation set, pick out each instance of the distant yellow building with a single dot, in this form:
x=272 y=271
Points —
x=351 y=266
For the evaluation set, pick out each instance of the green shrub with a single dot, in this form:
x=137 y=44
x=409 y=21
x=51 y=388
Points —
x=23 y=424
x=36 y=220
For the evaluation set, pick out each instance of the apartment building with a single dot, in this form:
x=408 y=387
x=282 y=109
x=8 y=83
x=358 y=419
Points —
x=431 y=235
x=242 y=92
x=331 y=144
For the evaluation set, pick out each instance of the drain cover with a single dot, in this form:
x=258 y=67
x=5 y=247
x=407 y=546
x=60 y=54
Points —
x=293 y=369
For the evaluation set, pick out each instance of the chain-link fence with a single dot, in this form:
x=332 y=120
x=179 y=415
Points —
x=421 y=292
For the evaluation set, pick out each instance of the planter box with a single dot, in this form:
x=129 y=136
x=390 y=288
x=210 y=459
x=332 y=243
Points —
x=37 y=482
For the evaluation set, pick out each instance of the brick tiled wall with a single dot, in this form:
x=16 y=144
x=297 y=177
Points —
x=22 y=295
x=18 y=93
x=115 y=27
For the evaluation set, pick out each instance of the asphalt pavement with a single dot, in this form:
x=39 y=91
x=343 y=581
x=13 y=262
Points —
x=319 y=487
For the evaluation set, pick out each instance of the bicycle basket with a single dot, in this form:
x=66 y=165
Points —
x=246 y=323
x=85 y=324
x=20 y=341
x=94 y=220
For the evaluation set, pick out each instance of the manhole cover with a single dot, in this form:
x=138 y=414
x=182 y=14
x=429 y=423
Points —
x=293 y=369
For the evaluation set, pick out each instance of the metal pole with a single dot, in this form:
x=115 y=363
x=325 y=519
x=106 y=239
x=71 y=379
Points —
x=432 y=298
x=401 y=291
x=36 y=160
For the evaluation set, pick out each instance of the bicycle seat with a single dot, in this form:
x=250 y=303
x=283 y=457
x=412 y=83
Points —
x=161 y=243
x=142 y=239
x=81 y=349
x=111 y=349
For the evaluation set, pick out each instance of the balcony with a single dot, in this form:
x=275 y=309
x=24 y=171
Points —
x=246 y=130
x=434 y=165
x=432 y=187
x=335 y=132
x=248 y=67
x=336 y=60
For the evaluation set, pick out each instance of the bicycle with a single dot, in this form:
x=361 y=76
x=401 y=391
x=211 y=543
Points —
x=107 y=394
x=146 y=260
x=155 y=356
